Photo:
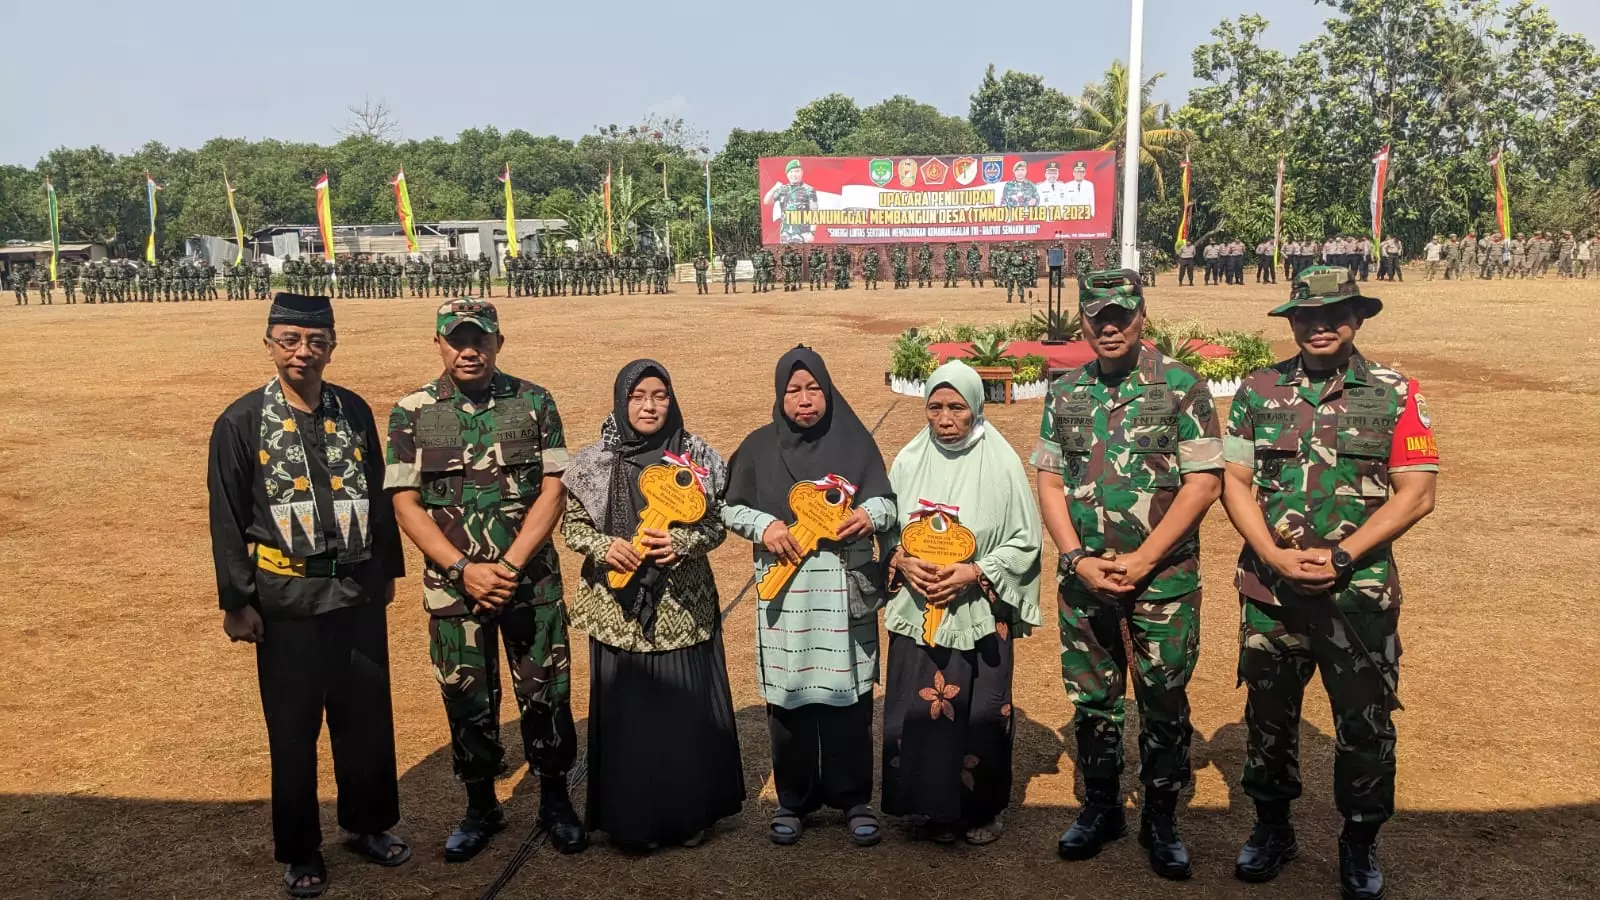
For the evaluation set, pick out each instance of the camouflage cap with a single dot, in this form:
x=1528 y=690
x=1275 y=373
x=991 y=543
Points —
x=1109 y=287
x=466 y=311
x=1325 y=286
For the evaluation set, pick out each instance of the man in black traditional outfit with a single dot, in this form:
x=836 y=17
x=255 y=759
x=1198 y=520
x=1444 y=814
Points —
x=306 y=551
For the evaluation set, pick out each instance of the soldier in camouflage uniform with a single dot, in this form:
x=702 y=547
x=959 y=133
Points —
x=485 y=275
x=474 y=464
x=263 y=280
x=897 y=261
x=924 y=266
x=46 y=291
x=869 y=268
x=730 y=269
x=841 y=268
x=974 y=266
x=19 y=285
x=1330 y=458
x=952 y=265
x=1129 y=460
x=795 y=196
x=817 y=266
x=701 y=266
x=69 y=282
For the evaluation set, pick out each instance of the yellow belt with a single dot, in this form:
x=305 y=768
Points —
x=270 y=559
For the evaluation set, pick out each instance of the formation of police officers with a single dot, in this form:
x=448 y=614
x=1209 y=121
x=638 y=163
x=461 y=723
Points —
x=1014 y=266
x=1523 y=256
x=592 y=274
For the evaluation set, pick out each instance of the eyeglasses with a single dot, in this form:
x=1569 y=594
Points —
x=290 y=343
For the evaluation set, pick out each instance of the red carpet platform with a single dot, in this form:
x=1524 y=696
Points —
x=1057 y=356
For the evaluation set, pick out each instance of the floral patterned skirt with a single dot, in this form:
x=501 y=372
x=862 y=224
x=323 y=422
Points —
x=947 y=731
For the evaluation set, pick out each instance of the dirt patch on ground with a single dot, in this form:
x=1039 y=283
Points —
x=133 y=756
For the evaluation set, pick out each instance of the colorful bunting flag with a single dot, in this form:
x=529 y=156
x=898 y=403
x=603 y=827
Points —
x=1380 y=175
x=325 y=216
x=150 y=188
x=513 y=246
x=1183 y=223
x=402 y=207
x=55 y=227
x=238 y=227
x=1502 y=198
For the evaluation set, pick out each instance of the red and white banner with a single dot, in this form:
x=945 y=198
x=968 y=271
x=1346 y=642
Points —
x=978 y=197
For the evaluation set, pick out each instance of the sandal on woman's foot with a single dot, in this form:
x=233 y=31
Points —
x=862 y=822
x=986 y=834
x=295 y=873
x=785 y=828
x=384 y=849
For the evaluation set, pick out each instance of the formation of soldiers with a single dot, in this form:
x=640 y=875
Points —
x=1522 y=256
x=366 y=276
x=129 y=281
x=593 y=274
x=1014 y=266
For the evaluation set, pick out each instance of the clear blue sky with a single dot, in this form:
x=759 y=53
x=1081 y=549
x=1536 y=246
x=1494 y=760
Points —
x=118 y=73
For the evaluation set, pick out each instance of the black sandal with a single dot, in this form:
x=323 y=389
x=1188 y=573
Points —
x=865 y=830
x=316 y=868
x=376 y=848
x=785 y=828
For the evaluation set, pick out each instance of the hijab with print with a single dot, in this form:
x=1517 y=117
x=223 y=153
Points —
x=778 y=455
x=605 y=480
x=984 y=478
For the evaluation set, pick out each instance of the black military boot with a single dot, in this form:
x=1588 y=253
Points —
x=1158 y=833
x=1100 y=822
x=484 y=819
x=1270 y=847
x=1359 y=875
x=558 y=817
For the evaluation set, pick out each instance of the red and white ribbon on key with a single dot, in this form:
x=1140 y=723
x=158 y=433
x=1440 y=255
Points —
x=835 y=481
x=926 y=508
x=701 y=473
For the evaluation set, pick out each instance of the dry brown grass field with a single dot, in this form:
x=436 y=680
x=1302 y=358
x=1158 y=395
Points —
x=133 y=755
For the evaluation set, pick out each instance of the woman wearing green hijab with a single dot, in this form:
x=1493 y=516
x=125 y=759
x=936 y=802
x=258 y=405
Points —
x=947 y=710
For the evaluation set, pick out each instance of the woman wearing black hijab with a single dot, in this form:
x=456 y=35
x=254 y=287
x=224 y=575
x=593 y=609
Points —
x=663 y=749
x=817 y=641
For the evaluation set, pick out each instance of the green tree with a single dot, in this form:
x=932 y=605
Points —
x=826 y=121
x=1103 y=119
x=1017 y=112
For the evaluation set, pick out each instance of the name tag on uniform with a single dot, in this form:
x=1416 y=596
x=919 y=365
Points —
x=438 y=426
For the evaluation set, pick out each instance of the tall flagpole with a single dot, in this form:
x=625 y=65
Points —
x=1130 y=140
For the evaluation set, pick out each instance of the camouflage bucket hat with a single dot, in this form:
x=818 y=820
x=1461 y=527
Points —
x=1325 y=286
x=464 y=310
x=1111 y=287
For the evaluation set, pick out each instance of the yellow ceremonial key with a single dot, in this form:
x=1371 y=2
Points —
x=937 y=537
x=819 y=509
x=672 y=494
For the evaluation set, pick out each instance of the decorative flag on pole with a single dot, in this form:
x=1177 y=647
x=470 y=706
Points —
x=238 y=227
x=150 y=188
x=402 y=206
x=711 y=246
x=1277 y=219
x=325 y=217
x=1502 y=199
x=1380 y=174
x=513 y=248
x=605 y=189
x=1183 y=223
x=55 y=226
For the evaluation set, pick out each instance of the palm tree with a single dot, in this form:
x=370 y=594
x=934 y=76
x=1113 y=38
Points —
x=1103 y=121
x=631 y=210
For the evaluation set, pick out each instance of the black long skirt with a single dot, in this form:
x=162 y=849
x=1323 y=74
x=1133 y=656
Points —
x=947 y=731
x=663 y=747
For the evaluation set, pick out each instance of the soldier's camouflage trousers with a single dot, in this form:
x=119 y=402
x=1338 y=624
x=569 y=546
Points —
x=1279 y=649
x=465 y=652
x=1094 y=662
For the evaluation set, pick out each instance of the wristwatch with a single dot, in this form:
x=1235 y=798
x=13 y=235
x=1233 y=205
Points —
x=1342 y=561
x=457 y=571
x=1070 y=560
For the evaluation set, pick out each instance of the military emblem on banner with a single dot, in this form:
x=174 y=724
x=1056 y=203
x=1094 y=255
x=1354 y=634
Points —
x=933 y=172
x=993 y=169
x=881 y=171
x=966 y=170
x=908 y=172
